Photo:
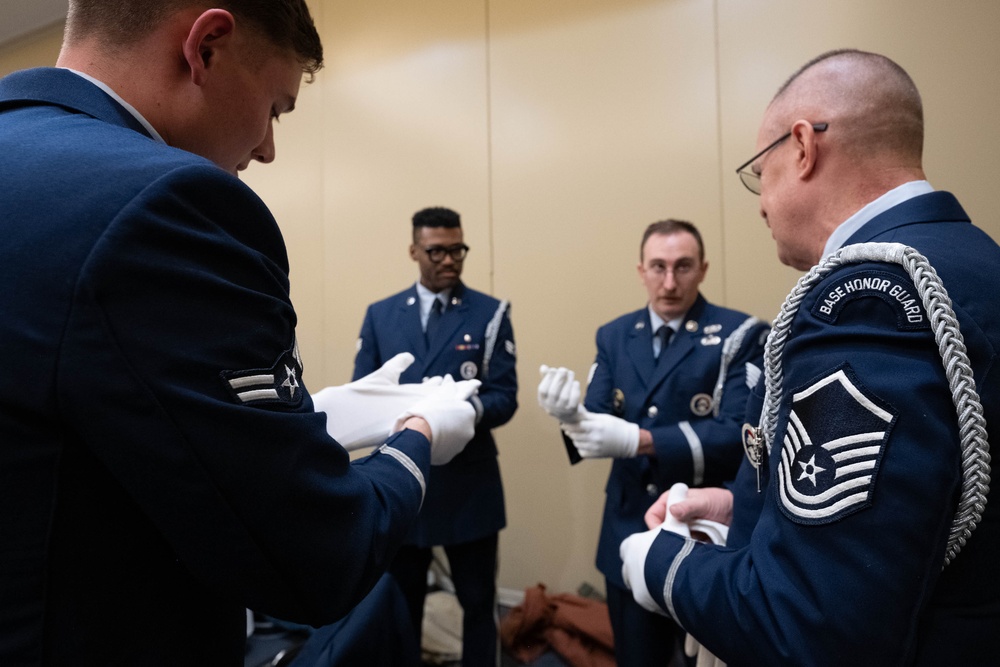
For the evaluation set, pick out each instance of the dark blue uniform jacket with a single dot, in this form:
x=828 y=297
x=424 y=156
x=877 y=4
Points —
x=694 y=415
x=161 y=465
x=838 y=561
x=474 y=340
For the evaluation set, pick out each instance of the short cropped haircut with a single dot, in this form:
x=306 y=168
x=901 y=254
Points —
x=435 y=216
x=285 y=23
x=671 y=226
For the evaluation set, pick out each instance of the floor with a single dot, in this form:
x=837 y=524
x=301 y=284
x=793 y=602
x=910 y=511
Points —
x=271 y=646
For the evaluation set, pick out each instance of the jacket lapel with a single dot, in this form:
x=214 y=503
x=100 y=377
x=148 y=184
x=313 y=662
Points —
x=639 y=348
x=680 y=346
x=451 y=320
x=409 y=315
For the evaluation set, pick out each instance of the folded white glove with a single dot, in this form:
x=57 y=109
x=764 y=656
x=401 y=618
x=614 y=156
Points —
x=598 y=435
x=361 y=413
x=449 y=413
x=559 y=394
x=715 y=532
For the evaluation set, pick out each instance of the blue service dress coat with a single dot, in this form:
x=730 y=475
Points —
x=838 y=560
x=692 y=400
x=474 y=340
x=161 y=464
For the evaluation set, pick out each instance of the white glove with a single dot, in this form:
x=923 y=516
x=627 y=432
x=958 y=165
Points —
x=361 y=413
x=559 y=394
x=635 y=548
x=449 y=413
x=703 y=657
x=717 y=533
x=633 y=552
x=598 y=435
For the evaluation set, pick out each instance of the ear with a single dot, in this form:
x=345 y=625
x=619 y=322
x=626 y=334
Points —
x=413 y=251
x=806 y=149
x=212 y=30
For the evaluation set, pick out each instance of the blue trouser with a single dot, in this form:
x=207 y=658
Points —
x=642 y=638
x=473 y=568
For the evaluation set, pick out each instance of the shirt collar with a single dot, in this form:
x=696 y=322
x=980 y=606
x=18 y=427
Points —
x=655 y=321
x=427 y=298
x=117 y=98
x=891 y=198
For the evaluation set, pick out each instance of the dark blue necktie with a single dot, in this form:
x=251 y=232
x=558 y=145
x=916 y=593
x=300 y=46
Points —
x=433 y=320
x=664 y=333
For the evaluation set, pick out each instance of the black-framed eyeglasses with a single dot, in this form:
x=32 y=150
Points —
x=750 y=178
x=436 y=253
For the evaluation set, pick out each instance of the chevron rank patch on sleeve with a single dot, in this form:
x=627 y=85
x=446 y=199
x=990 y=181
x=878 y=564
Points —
x=277 y=384
x=833 y=444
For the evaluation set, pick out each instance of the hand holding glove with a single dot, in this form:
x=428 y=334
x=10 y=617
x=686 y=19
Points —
x=598 y=435
x=448 y=412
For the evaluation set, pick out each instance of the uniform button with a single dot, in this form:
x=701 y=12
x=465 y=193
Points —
x=653 y=411
x=652 y=490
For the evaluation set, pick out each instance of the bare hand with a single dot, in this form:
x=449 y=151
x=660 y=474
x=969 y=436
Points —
x=714 y=504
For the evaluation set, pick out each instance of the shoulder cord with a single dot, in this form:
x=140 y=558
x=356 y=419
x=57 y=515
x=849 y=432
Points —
x=492 y=331
x=729 y=350
x=951 y=346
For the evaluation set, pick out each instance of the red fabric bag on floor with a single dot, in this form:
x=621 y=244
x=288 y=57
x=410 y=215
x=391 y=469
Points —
x=577 y=628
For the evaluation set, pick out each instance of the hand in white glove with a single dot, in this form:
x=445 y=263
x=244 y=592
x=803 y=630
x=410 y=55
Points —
x=361 y=413
x=598 y=435
x=559 y=394
x=633 y=552
x=635 y=548
x=449 y=414
x=703 y=657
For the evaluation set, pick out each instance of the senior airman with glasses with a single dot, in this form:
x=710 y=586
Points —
x=666 y=400
x=451 y=330
x=861 y=526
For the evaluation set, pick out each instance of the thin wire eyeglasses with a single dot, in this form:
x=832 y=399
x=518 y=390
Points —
x=680 y=270
x=751 y=179
x=436 y=253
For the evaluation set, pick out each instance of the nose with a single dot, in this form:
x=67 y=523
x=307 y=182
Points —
x=669 y=279
x=265 y=150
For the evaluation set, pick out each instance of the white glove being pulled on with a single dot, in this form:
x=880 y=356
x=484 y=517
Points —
x=361 y=413
x=598 y=435
x=448 y=412
x=559 y=394
x=635 y=548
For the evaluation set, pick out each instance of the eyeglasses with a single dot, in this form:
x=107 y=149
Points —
x=750 y=178
x=680 y=270
x=436 y=253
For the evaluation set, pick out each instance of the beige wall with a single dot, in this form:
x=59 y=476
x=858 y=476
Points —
x=559 y=130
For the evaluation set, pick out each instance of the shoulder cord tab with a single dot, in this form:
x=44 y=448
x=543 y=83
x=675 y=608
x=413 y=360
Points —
x=492 y=332
x=729 y=349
